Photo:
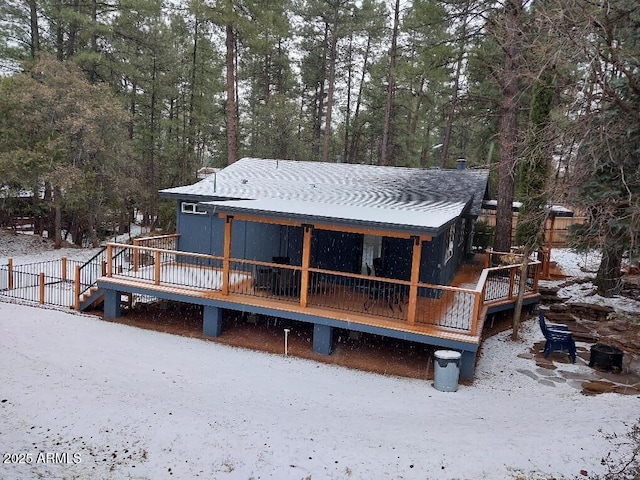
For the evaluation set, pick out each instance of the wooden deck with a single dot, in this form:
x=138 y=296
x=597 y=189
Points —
x=445 y=315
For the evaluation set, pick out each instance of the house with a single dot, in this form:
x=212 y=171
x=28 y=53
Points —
x=358 y=247
x=370 y=212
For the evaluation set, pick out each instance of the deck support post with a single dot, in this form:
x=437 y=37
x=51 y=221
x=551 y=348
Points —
x=322 y=339
x=112 y=304
x=212 y=321
x=226 y=263
x=467 y=365
x=415 y=278
x=306 y=259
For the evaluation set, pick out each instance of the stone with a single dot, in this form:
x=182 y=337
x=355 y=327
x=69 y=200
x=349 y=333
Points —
x=545 y=290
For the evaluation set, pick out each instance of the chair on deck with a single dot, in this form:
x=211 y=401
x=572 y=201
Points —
x=378 y=267
x=558 y=338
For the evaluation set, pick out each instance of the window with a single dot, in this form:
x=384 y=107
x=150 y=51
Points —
x=451 y=242
x=193 y=208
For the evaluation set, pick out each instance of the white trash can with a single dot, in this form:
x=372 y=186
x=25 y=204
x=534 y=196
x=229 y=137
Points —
x=446 y=370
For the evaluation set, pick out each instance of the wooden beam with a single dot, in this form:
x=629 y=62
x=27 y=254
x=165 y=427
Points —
x=272 y=221
x=226 y=256
x=415 y=278
x=367 y=231
x=326 y=226
x=306 y=259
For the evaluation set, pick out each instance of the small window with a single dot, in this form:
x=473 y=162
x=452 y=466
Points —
x=451 y=242
x=193 y=208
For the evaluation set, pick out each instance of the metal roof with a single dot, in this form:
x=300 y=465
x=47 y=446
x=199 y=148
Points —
x=393 y=197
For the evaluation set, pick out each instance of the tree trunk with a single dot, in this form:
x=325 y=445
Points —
x=508 y=134
x=453 y=103
x=609 y=277
x=73 y=32
x=188 y=168
x=347 y=119
x=59 y=31
x=35 y=34
x=386 y=129
x=319 y=97
x=57 y=219
x=356 y=114
x=232 y=147
x=330 y=90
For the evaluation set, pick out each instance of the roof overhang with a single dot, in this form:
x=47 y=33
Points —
x=431 y=220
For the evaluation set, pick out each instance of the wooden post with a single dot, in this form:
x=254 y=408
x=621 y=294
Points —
x=156 y=264
x=76 y=289
x=512 y=280
x=551 y=229
x=536 y=277
x=547 y=256
x=477 y=302
x=415 y=278
x=103 y=268
x=64 y=269
x=136 y=255
x=226 y=262
x=306 y=259
x=10 y=268
x=109 y=260
x=41 y=288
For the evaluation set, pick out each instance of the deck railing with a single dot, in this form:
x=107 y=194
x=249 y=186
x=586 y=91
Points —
x=447 y=307
x=162 y=242
x=360 y=294
x=454 y=308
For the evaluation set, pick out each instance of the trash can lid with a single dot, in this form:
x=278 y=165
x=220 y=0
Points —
x=447 y=354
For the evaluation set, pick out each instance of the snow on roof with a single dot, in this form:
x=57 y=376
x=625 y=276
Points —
x=435 y=215
x=340 y=191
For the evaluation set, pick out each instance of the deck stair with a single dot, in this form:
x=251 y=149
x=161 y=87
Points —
x=93 y=297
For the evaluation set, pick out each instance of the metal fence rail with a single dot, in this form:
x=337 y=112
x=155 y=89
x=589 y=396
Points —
x=46 y=283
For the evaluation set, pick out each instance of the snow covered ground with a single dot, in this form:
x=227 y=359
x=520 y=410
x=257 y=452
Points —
x=132 y=403
x=81 y=398
x=585 y=266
